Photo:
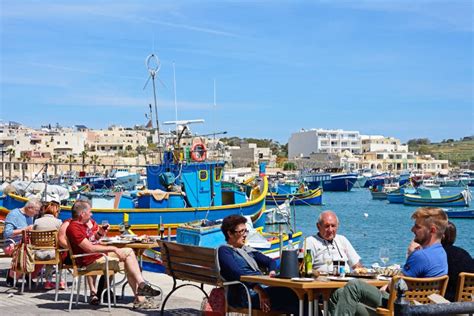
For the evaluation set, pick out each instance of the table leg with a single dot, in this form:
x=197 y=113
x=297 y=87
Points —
x=311 y=303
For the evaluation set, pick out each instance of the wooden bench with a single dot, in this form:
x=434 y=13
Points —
x=195 y=264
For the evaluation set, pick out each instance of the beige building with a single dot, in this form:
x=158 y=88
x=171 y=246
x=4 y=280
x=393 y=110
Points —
x=249 y=155
x=115 y=139
x=378 y=143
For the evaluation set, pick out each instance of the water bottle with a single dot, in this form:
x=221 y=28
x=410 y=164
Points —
x=308 y=264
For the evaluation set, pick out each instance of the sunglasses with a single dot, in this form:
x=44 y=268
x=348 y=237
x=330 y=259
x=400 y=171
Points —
x=241 y=232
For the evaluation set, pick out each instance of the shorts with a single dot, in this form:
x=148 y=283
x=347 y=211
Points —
x=114 y=262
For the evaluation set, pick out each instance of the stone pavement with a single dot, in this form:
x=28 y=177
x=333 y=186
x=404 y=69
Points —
x=185 y=301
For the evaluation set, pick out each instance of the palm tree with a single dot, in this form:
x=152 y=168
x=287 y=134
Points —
x=94 y=159
x=11 y=154
x=84 y=156
x=24 y=157
x=70 y=160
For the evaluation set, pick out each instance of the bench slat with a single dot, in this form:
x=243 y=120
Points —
x=191 y=261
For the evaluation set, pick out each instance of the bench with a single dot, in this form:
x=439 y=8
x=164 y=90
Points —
x=195 y=264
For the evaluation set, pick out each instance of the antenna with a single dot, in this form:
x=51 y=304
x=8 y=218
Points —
x=153 y=65
x=175 y=102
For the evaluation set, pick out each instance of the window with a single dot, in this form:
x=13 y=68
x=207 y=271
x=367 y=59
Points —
x=58 y=142
x=379 y=156
x=218 y=173
x=203 y=175
x=66 y=142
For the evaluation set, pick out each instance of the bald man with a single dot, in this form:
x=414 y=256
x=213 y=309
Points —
x=327 y=243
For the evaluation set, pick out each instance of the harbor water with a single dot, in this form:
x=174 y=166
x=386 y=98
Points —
x=372 y=224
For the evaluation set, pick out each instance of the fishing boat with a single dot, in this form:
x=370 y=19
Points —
x=330 y=181
x=460 y=214
x=434 y=198
x=179 y=191
x=306 y=197
x=397 y=196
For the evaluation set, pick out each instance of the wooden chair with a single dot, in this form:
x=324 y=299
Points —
x=465 y=289
x=45 y=240
x=79 y=272
x=418 y=290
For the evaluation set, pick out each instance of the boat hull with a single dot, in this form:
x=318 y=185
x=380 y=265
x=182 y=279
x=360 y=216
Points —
x=150 y=220
x=310 y=197
x=337 y=183
x=446 y=201
x=460 y=214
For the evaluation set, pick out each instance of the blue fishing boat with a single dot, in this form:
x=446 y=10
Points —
x=397 y=196
x=179 y=191
x=460 y=214
x=435 y=199
x=330 y=181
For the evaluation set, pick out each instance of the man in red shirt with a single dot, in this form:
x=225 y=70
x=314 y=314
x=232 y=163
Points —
x=80 y=244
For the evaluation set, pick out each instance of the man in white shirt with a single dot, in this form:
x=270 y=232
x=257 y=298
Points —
x=327 y=246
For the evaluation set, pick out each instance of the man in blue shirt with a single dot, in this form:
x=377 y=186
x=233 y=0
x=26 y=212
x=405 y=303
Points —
x=426 y=259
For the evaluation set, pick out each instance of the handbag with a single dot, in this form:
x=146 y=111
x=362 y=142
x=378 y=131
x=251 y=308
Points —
x=23 y=256
x=215 y=304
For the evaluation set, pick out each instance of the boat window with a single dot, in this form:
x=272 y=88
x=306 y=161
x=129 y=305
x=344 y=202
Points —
x=203 y=175
x=218 y=173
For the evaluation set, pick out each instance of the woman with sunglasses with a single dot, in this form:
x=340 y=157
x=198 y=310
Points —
x=237 y=259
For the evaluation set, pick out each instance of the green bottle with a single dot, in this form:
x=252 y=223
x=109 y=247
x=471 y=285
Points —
x=308 y=264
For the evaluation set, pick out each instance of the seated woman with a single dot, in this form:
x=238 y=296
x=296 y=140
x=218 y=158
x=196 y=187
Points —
x=236 y=259
x=48 y=221
x=459 y=260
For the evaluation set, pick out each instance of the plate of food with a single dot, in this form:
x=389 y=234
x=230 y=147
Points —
x=363 y=273
x=302 y=279
x=339 y=278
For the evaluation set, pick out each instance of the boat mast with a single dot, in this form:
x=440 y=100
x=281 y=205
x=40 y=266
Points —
x=175 y=100
x=153 y=65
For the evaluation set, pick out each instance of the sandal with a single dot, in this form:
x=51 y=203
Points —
x=94 y=299
x=147 y=290
x=146 y=304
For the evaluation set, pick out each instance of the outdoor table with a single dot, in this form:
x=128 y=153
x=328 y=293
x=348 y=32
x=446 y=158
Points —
x=321 y=285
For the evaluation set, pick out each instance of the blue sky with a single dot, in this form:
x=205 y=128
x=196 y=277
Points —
x=398 y=68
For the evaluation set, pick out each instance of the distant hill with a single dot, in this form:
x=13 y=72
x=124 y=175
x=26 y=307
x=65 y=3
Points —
x=456 y=151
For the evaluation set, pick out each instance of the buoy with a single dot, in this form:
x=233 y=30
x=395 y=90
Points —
x=366 y=215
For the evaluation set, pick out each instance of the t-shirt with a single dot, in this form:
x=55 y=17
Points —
x=16 y=220
x=339 y=248
x=46 y=222
x=76 y=233
x=427 y=262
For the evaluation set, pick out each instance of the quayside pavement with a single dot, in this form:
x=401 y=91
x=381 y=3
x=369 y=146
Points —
x=185 y=301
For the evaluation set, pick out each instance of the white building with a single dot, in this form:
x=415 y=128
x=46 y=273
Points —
x=305 y=142
x=378 y=143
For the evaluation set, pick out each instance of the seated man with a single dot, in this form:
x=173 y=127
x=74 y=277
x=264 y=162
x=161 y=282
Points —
x=426 y=259
x=80 y=244
x=327 y=245
x=236 y=259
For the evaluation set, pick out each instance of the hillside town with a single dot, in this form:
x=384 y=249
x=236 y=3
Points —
x=24 y=150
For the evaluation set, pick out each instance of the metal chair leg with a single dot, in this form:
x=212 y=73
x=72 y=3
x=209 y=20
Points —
x=23 y=283
x=78 y=289
x=85 y=289
x=57 y=283
x=71 y=296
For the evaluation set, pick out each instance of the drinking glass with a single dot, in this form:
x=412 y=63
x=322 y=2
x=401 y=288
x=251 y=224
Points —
x=327 y=258
x=384 y=255
x=105 y=224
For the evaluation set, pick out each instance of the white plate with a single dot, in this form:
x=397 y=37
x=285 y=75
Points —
x=384 y=278
x=333 y=278
x=302 y=279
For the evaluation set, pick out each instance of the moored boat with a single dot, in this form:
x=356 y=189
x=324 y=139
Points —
x=460 y=214
x=308 y=197
x=180 y=192
x=435 y=199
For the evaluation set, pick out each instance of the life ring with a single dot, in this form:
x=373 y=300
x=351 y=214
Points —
x=198 y=152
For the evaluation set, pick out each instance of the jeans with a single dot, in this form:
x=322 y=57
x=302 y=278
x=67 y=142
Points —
x=347 y=300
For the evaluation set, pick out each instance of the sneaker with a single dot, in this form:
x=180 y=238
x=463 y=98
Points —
x=9 y=281
x=145 y=289
x=62 y=285
x=49 y=285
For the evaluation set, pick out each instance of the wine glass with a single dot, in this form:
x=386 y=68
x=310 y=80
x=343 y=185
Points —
x=105 y=224
x=327 y=258
x=384 y=255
